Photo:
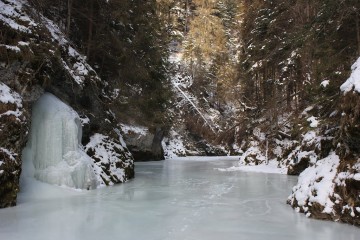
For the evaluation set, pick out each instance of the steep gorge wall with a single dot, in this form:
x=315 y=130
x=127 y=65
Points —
x=35 y=57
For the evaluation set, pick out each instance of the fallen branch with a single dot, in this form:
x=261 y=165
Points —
x=195 y=107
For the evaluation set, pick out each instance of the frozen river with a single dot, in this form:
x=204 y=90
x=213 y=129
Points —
x=174 y=200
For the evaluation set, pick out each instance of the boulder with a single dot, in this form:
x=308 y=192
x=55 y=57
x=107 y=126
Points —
x=145 y=145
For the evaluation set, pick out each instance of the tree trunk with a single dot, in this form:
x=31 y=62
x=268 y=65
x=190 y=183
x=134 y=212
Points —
x=358 y=32
x=186 y=15
x=156 y=146
x=68 y=19
x=91 y=26
x=288 y=95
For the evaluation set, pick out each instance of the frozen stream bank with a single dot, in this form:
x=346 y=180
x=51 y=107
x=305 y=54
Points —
x=173 y=200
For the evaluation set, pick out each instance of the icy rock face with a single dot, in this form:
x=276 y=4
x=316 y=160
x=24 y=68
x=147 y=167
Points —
x=54 y=146
x=12 y=127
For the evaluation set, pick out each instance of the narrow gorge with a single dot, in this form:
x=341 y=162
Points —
x=195 y=119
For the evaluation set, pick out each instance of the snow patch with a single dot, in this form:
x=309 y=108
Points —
x=7 y=96
x=252 y=155
x=272 y=167
x=353 y=82
x=325 y=83
x=9 y=47
x=313 y=122
x=11 y=154
x=80 y=68
x=12 y=14
x=134 y=129
x=310 y=137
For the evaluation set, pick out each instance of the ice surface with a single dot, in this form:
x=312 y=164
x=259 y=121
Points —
x=54 y=153
x=169 y=200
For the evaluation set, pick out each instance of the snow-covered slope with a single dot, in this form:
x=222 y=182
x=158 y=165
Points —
x=196 y=124
x=330 y=187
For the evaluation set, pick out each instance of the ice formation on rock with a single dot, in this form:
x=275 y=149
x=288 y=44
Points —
x=54 y=153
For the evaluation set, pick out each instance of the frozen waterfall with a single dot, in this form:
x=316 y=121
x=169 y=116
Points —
x=54 y=152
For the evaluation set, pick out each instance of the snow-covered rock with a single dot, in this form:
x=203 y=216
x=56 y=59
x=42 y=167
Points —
x=173 y=145
x=253 y=156
x=13 y=124
x=315 y=187
x=112 y=161
x=353 y=82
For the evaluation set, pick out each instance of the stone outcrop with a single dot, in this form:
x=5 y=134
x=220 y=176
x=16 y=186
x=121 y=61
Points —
x=144 y=144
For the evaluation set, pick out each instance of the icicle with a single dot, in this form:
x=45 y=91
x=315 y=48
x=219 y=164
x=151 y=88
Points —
x=54 y=146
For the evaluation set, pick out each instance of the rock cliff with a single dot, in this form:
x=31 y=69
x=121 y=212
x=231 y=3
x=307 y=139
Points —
x=35 y=57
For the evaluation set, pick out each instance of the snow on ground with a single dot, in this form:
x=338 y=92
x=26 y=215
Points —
x=251 y=155
x=10 y=47
x=175 y=57
x=205 y=158
x=353 y=83
x=11 y=11
x=314 y=122
x=9 y=96
x=272 y=167
x=134 y=129
x=352 y=174
x=325 y=83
